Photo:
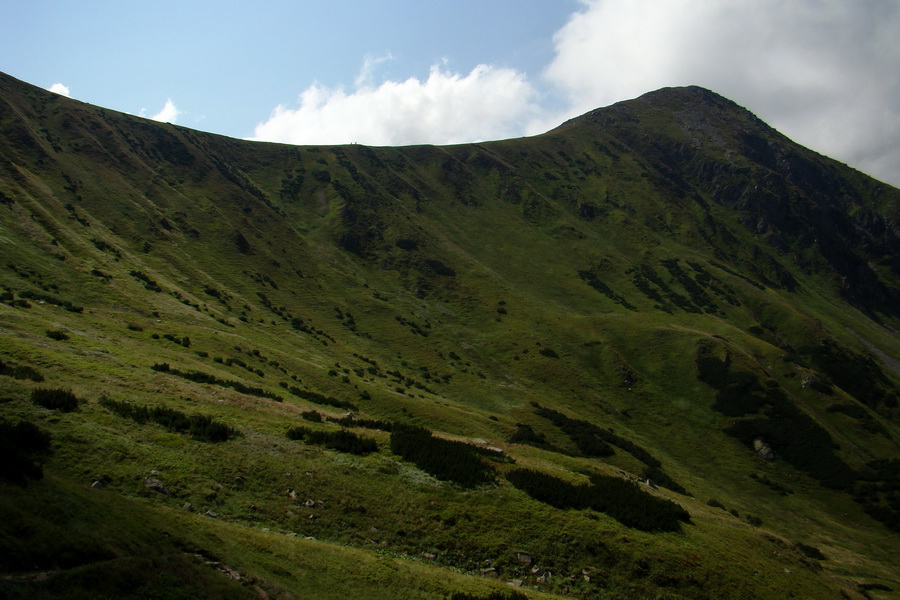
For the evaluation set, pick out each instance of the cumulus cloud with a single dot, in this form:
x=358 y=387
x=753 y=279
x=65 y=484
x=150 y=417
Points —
x=445 y=108
x=168 y=114
x=58 y=88
x=824 y=72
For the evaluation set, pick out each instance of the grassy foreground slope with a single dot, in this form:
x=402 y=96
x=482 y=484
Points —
x=665 y=289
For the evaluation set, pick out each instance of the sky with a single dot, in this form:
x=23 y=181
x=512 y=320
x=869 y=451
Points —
x=826 y=73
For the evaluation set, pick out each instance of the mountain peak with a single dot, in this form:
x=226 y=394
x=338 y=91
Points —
x=689 y=106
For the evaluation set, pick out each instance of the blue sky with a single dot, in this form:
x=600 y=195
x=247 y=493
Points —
x=385 y=72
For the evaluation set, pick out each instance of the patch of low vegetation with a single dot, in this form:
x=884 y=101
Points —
x=594 y=441
x=209 y=379
x=55 y=399
x=457 y=462
x=57 y=334
x=590 y=278
x=505 y=595
x=342 y=440
x=20 y=372
x=23 y=446
x=772 y=485
x=810 y=551
x=320 y=399
x=148 y=282
x=200 y=427
x=351 y=421
x=525 y=434
x=856 y=374
x=878 y=491
x=792 y=434
x=51 y=299
x=621 y=499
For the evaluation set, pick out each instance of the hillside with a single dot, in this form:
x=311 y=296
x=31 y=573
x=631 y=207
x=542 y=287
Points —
x=259 y=370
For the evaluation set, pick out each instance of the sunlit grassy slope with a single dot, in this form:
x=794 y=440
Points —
x=654 y=290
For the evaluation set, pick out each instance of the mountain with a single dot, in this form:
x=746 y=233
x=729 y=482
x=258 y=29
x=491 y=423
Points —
x=652 y=353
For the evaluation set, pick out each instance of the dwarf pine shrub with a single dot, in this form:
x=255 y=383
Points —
x=342 y=441
x=55 y=399
x=22 y=446
x=445 y=459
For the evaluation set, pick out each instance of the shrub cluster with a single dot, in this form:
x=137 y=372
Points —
x=738 y=393
x=878 y=492
x=587 y=437
x=811 y=551
x=595 y=282
x=800 y=441
x=342 y=440
x=592 y=440
x=181 y=341
x=321 y=399
x=20 y=372
x=57 y=334
x=524 y=434
x=645 y=278
x=55 y=399
x=793 y=434
x=447 y=460
x=619 y=498
x=9 y=297
x=148 y=282
x=51 y=300
x=206 y=378
x=200 y=427
x=856 y=374
x=364 y=423
x=22 y=445
x=496 y=595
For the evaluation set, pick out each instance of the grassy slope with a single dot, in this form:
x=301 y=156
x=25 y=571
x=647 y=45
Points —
x=199 y=214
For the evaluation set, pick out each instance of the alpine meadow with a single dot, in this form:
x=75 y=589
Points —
x=652 y=353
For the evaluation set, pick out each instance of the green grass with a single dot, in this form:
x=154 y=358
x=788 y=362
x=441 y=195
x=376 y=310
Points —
x=257 y=333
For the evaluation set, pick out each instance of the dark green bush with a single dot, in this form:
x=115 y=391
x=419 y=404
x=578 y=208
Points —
x=505 y=595
x=20 y=372
x=447 y=460
x=55 y=399
x=857 y=374
x=317 y=398
x=311 y=415
x=22 y=445
x=800 y=441
x=209 y=379
x=342 y=441
x=146 y=280
x=524 y=434
x=349 y=421
x=49 y=299
x=587 y=437
x=811 y=552
x=56 y=334
x=619 y=498
x=851 y=410
x=200 y=427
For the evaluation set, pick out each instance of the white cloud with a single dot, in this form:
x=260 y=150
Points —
x=365 y=73
x=168 y=114
x=445 y=108
x=58 y=88
x=824 y=72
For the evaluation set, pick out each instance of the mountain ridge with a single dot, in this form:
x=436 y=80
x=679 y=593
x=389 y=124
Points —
x=613 y=298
